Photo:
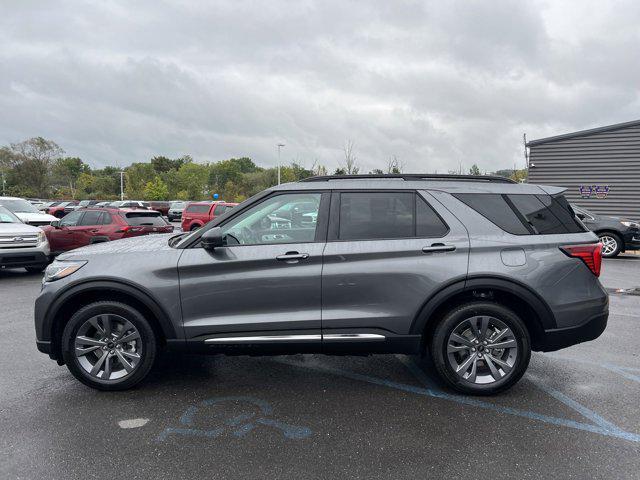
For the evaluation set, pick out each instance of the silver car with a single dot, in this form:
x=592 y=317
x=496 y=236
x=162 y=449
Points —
x=21 y=245
x=474 y=272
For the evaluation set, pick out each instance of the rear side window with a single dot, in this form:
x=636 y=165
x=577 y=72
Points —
x=106 y=218
x=524 y=214
x=198 y=208
x=379 y=215
x=91 y=218
x=141 y=219
x=220 y=209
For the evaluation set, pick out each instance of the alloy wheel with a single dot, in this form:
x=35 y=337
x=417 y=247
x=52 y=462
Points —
x=609 y=245
x=108 y=347
x=482 y=350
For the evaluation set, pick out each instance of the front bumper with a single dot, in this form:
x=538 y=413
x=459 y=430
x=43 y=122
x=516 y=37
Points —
x=558 y=338
x=24 y=258
x=632 y=240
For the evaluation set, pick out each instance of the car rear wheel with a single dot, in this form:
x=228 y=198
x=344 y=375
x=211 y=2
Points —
x=480 y=348
x=109 y=345
x=611 y=244
x=194 y=227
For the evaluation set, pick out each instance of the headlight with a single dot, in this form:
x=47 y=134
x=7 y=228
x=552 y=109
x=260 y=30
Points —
x=41 y=238
x=631 y=224
x=58 y=270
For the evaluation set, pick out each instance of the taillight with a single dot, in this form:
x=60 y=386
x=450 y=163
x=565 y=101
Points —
x=590 y=254
x=130 y=229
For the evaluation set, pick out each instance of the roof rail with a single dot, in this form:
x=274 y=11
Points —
x=414 y=177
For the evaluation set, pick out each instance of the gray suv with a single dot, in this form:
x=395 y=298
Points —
x=474 y=272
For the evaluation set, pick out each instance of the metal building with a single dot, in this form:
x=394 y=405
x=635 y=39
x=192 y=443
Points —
x=600 y=167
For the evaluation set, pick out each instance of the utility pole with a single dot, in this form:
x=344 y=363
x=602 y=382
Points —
x=4 y=184
x=121 y=185
x=280 y=145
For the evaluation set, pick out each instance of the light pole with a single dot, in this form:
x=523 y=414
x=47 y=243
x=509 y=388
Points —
x=4 y=184
x=280 y=145
x=121 y=185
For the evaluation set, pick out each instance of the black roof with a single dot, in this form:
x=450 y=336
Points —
x=581 y=133
x=413 y=177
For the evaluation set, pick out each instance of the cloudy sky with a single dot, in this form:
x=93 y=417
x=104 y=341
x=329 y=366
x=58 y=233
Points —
x=434 y=83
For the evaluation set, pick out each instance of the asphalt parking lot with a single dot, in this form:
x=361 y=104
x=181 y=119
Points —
x=575 y=414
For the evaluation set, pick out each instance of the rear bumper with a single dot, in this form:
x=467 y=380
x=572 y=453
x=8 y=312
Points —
x=558 y=338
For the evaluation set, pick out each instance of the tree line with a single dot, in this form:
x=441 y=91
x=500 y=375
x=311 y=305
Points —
x=38 y=168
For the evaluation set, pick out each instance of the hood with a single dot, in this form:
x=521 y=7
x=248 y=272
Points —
x=145 y=243
x=18 y=229
x=35 y=217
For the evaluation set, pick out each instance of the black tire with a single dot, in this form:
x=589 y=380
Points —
x=452 y=320
x=194 y=228
x=149 y=344
x=610 y=237
x=38 y=269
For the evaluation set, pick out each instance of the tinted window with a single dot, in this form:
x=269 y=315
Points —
x=137 y=219
x=71 y=220
x=220 y=209
x=495 y=208
x=198 y=208
x=545 y=214
x=106 y=218
x=370 y=215
x=428 y=223
x=260 y=225
x=91 y=218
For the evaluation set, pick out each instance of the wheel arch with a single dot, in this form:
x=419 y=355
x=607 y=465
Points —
x=79 y=295
x=533 y=310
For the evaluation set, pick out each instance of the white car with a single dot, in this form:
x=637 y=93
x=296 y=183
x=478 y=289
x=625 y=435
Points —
x=26 y=212
x=22 y=245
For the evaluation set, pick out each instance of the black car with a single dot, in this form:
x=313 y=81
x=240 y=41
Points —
x=616 y=234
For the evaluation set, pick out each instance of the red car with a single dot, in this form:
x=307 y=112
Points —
x=58 y=210
x=95 y=225
x=198 y=213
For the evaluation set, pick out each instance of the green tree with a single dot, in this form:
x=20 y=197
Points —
x=192 y=178
x=66 y=172
x=30 y=163
x=156 y=190
x=474 y=170
x=137 y=175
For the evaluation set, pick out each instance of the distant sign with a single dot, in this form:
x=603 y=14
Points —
x=591 y=191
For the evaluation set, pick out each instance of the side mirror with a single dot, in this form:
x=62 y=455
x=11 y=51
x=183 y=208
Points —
x=55 y=224
x=212 y=238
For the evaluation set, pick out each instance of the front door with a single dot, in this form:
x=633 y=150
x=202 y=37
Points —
x=264 y=286
x=387 y=253
x=63 y=237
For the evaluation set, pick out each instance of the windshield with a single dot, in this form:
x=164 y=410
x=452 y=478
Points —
x=177 y=205
x=18 y=206
x=7 y=217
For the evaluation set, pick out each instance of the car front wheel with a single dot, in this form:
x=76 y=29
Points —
x=480 y=348
x=109 y=345
x=611 y=244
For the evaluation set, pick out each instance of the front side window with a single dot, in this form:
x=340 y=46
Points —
x=71 y=220
x=220 y=209
x=91 y=218
x=278 y=219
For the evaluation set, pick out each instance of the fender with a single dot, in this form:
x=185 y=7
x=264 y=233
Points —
x=493 y=282
x=122 y=286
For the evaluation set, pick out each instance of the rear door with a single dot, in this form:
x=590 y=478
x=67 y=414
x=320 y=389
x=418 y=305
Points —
x=88 y=227
x=387 y=252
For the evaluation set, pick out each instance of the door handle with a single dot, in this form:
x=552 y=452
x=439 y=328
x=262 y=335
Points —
x=439 y=247
x=292 y=257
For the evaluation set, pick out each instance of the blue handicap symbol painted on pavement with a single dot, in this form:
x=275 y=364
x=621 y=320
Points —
x=247 y=413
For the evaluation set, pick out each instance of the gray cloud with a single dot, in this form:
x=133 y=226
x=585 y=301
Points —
x=434 y=83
